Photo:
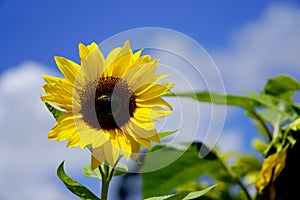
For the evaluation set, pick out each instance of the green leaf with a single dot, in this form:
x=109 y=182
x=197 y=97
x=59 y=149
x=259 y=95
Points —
x=88 y=172
x=167 y=133
x=273 y=116
x=189 y=166
x=282 y=87
x=75 y=187
x=274 y=103
x=55 y=112
x=183 y=195
x=221 y=99
x=244 y=165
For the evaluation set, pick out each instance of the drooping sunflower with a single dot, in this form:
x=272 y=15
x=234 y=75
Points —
x=110 y=103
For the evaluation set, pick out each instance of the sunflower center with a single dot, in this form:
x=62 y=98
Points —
x=107 y=103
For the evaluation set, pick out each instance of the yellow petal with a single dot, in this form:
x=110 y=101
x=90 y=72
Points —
x=155 y=91
x=119 y=66
x=85 y=50
x=93 y=65
x=112 y=56
x=62 y=103
x=147 y=126
x=142 y=115
x=126 y=48
x=67 y=67
x=136 y=56
x=58 y=89
x=124 y=143
x=65 y=129
x=159 y=112
x=67 y=116
x=146 y=115
x=119 y=61
x=89 y=135
x=143 y=141
x=140 y=75
x=154 y=102
x=52 y=89
x=111 y=151
x=139 y=61
x=271 y=169
x=135 y=148
x=141 y=132
x=154 y=138
x=56 y=80
x=97 y=157
x=75 y=141
x=62 y=130
x=143 y=88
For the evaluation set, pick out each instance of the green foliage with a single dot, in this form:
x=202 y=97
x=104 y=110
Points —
x=259 y=145
x=188 y=166
x=220 y=99
x=282 y=87
x=271 y=102
x=295 y=125
x=272 y=109
x=244 y=165
x=75 y=187
x=183 y=195
x=274 y=117
x=55 y=112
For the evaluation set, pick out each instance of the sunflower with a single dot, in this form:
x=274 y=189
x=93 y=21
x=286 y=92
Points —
x=110 y=103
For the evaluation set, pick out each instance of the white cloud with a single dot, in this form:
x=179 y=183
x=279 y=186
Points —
x=231 y=141
x=262 y=49
x=28 y=159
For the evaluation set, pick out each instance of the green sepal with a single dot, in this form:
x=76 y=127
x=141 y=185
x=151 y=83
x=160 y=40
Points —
x=88 y=172
x=75 y=187
x=120 y=170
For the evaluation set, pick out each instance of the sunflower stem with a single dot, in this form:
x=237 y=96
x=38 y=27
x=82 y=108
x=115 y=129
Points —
x=107 y=173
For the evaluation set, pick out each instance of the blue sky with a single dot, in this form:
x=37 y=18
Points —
x=38 y=30
x=249 y=41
